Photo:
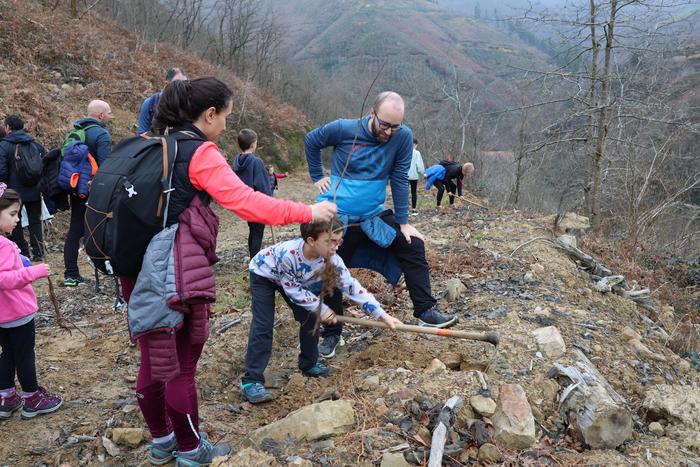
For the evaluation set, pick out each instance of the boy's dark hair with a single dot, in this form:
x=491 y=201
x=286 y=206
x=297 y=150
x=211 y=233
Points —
x=15 y=122
x=8 y=198
x=184 y=101
x=314 y=229
x=170 y=74
x=415 y=140
x=246 y=138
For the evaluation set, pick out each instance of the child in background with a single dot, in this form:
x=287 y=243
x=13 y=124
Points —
x=251 y=170
x=17 y=309
x=293 y=269
x=274 y=177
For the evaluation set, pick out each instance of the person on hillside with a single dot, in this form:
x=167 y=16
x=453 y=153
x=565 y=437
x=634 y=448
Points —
x=16 y=136
x=18 y=306
x=150 y=104
x=99 y=143
x=167 y=396
x=294 y=269
x=275 y=177
x=451 y=179
x=372 y=152
x=251 y=170
x=415 y=172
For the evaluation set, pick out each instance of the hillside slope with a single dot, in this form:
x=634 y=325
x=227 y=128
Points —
x=391 y=379
x=51 y=66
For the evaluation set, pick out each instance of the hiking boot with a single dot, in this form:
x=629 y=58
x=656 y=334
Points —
x=74 y=281
x=204 y=454
x=255 y=393
x=162 y=453
x=9 y=404
x=435 y=319
x=41 y=402
x=326 y=348
x=317 y=370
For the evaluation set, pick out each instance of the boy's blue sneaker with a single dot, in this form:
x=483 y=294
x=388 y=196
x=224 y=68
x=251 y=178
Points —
x=326 y=348
x=204 y=455
x=317 y=370
x=435 y=319
x=255 y=393
x=162 y=453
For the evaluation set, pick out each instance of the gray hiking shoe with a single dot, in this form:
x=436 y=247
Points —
x=162 y=453
x=435 y=319
x=204 y=455
x=326 y=348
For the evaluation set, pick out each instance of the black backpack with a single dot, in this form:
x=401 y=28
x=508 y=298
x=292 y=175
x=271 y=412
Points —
x=49 y=180
x=128 y=201
x=28 y=163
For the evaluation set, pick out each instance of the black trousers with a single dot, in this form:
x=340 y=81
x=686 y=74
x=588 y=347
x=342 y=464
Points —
x=76 y=230
x=257 y=356
x=411 y=257
x=255 y=237
x=414 y=192
x=451 y=189
x=36 y=238
x=18 y=357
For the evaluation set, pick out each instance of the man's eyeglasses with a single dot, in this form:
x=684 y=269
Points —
x=385 y=125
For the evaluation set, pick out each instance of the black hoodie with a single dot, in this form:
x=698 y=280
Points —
x=8 y=174
x=251 y=170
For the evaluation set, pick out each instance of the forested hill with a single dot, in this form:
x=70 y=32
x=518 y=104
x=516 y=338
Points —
x=418 y=45
x=51 y=66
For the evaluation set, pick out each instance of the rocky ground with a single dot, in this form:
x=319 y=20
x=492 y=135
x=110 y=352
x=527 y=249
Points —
x=381 y=404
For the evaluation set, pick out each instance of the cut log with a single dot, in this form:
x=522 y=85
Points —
x=605 y=279
x=445 y=420
x=598 y=415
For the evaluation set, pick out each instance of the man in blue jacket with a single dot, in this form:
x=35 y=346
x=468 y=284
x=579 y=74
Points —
x=99 y=143
x=13 y=126
x=150 y=104
x=379 y=148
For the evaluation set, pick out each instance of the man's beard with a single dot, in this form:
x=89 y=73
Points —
x=380 y=135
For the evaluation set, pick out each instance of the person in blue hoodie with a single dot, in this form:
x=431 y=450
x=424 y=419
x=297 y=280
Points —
x=99 y=143
x=13 y=126
x=150 y=104
x=251 y=170
x=368 y=154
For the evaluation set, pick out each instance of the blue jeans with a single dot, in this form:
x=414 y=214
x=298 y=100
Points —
x=259 y=350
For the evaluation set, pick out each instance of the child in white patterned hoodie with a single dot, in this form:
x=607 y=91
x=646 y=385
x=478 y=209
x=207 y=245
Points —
x=293 y=268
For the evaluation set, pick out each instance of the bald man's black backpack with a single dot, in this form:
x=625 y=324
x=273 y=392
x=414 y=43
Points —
x=128 y=201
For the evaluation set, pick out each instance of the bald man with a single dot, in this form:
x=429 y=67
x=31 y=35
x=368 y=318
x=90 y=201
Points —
x=379 y=148
x=99 y=143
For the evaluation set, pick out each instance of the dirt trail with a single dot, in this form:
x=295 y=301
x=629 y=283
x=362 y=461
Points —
x=96 y=372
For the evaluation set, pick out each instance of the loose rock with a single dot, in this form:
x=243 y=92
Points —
x=675 y=403
x=309 y=423
x=484 y=406
x=489 y=453
x=513 y=422
x=110 y=447
x=131 y=437
x=455 y=289
x=436 y=366
x=394 y=459
x=550 y=341
x=656 y=428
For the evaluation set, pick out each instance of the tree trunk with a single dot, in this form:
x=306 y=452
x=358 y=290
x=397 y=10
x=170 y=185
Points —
x=601 y=126
x=595 y=411
x=595 y=50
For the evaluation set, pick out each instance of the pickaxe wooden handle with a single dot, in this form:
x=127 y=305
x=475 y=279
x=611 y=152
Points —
x=490 y=337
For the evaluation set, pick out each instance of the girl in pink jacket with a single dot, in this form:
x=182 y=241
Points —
x=17 y=309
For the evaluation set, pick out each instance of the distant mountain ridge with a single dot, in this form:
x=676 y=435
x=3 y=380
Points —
x=420 y=45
